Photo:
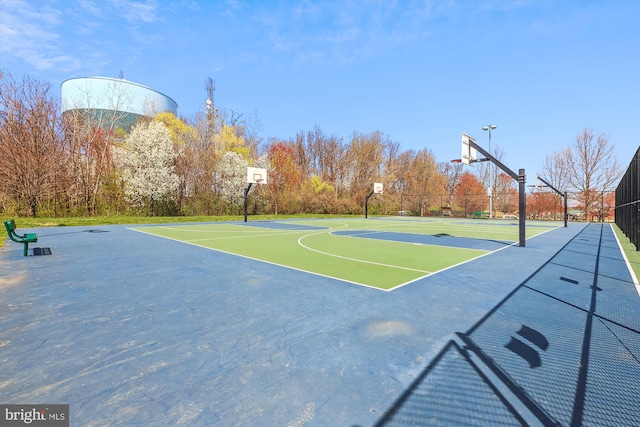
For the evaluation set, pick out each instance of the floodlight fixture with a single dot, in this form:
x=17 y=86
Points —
x=490 y=128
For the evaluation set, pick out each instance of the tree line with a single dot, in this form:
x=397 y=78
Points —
x=85 y=164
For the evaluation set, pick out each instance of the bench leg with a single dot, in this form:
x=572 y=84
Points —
x=26 y=248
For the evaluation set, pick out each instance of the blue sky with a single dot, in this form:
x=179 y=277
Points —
x=421 y=72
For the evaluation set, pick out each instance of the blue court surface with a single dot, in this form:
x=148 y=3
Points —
x=131 y=329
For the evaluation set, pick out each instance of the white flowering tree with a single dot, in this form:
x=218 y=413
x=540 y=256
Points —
x=148 y=167
x=233 y=169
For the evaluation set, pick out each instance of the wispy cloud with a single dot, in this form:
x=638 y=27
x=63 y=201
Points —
x=32 y=31
x=29 y=33
x=343 y=31
x=136 y=11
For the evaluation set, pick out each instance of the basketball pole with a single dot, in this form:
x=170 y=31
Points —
x=366 y=204
x=522 y=209
x=521 y=178
x=566 y=211
x=246 y=198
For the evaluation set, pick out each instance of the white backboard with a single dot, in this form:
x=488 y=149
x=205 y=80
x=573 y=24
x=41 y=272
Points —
x=256 y=175
x=469 y=154
x=378 y=188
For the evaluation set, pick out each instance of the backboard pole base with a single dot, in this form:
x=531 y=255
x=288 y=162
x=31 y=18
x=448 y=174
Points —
x=366 y=205
x=378 y=188
x=246 y=200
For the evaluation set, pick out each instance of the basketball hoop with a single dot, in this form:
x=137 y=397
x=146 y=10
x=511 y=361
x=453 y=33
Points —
x=378 y=188
x=256 y=176
x=456 y=161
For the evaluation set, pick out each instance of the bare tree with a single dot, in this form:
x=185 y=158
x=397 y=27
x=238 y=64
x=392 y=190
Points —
x=427 y=177
x=366 y=156
x=505 y=196
x=321 y=155
x=203 y=154
x=89 y=159
x=251 y=132
x=451 y=173
x=90 y=134
x=487 y=173
x=555 y=170
x=593 y=168
x=29 y=141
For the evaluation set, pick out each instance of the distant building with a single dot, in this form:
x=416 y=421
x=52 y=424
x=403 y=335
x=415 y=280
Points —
x=113 y=101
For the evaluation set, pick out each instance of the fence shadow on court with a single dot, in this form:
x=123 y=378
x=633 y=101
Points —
x=562 y=349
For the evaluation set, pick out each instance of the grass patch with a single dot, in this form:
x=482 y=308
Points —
x=633 y=256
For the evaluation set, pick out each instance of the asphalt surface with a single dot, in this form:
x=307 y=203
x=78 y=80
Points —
x=132 y=329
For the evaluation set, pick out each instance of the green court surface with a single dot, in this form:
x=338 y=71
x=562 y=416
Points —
x=383 y=252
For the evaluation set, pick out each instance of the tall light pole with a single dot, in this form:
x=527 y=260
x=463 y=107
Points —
x=490 y=128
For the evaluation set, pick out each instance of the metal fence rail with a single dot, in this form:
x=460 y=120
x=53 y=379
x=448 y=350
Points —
x=628 y=202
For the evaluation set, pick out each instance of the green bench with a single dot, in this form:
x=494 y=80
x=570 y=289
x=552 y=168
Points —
x=10 y=225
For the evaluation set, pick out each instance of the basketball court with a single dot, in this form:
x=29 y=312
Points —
x=178 y=325
x=384 y=253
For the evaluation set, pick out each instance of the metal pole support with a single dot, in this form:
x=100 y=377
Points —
x=366 y=205
x=522 y=195
x=566 y=209
x=522 y=201
x=246 y=203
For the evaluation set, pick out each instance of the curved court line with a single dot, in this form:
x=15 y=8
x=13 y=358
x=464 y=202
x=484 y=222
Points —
x=262 y=260
x=355 y=259
x=247 y=233
x=428 y=273
x=329 y=230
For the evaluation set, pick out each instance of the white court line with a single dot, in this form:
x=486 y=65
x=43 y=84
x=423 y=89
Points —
x=626 y=260
x=328 y=230
x=204 y=239
x=237 y=229
x=365 y=232
x=262 y=260
x=355 y=259
x=450 y=267
x=248 y=233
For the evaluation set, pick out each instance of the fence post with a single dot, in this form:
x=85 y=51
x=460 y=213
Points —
x=627 y=210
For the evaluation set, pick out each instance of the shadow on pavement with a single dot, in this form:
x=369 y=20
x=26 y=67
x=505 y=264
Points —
x=562 y=349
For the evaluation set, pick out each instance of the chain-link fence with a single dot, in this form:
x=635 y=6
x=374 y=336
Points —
x=628 y=202
x=464 y=205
